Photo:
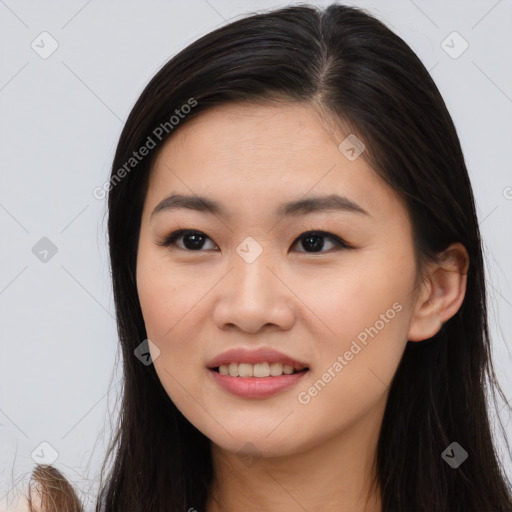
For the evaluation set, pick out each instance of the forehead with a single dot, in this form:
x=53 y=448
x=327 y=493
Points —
x=237 y=130
x=258 y=154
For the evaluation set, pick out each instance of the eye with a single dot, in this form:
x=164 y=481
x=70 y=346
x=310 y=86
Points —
x=195 y=240
x=314 y=241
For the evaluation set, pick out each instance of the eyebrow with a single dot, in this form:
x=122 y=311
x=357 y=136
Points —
x=332 y=202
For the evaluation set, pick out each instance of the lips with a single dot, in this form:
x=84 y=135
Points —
x=255 y=356
x=255 y=387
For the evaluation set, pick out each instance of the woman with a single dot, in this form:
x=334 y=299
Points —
x=263 y=369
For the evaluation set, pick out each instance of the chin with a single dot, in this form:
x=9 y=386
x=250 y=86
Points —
x=255 y=444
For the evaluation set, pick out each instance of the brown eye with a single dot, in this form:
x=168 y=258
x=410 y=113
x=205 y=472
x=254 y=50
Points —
x=314 y=240
x=311 y=241
x=192 y=240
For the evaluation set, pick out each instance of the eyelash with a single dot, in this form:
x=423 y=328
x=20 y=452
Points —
x=172 y=237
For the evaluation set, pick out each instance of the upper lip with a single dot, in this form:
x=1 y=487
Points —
x=254 y=356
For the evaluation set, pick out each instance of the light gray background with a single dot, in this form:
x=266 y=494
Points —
x=60 y=121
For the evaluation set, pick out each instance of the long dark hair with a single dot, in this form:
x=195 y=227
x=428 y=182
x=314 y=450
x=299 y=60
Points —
x=351 y=66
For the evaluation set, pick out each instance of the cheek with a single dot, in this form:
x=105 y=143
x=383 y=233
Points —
x=368 y=313
x=369 y=295
x=355 y=368
x=174 y=310
x=166 y=295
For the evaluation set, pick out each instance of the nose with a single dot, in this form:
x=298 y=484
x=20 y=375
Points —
x=253 y=297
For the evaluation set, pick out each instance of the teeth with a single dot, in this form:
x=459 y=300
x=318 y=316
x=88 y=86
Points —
x=288 y=369
x=261 y=370
x=255 y=370
x=245 y=370
x=276 y=369
x=233 y=369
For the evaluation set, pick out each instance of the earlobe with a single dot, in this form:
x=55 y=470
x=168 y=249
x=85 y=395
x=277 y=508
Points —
x=442 y=293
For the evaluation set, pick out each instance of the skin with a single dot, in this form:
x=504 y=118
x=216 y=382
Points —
x=20 y=503
x=310 y=305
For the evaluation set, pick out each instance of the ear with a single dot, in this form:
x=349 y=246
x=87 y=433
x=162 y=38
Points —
x=441 y=294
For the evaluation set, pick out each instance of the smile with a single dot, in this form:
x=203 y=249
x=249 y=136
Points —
x=259 y=370
x=255 y=373
x=262 y=386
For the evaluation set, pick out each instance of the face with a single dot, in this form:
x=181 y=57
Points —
x=328 y=285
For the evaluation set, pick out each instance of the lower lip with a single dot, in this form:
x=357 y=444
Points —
x=256 y=387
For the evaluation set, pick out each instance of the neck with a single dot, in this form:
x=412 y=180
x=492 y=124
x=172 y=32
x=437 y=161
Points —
x=337 y=474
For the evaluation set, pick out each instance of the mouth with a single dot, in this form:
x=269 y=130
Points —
x=256 y=373
x=261 y=384
x=259 y=370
